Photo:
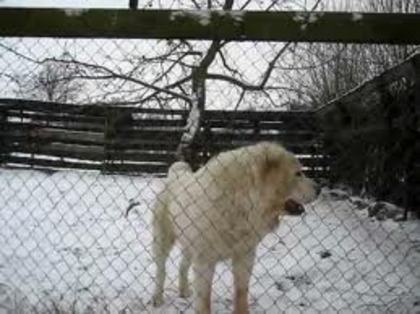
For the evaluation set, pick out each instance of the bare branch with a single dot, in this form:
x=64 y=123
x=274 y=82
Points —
x=231 y=70
x=167 y=87
x=171 y=67
x=241 y=97
x=228 y=5
x=245 y=86
x=245 y=5
x=19 y=54
x=125 y=77
x=272 y=63
x=197 y=6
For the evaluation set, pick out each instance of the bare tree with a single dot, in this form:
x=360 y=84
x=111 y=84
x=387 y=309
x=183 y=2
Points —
x=55 y=82
x=330 y=70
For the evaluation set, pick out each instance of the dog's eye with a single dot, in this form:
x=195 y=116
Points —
x=299 y=174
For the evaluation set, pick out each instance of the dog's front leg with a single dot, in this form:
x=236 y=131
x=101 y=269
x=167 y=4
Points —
x=184 y=289
x=242 y=269
x=203 y=278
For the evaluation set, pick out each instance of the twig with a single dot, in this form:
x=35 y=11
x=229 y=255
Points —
x=130 y=207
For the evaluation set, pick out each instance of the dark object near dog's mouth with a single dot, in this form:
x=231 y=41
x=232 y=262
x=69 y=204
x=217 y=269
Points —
x=293 y=208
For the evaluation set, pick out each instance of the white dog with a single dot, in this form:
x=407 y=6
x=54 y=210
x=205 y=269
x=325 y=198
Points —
x=222 y=211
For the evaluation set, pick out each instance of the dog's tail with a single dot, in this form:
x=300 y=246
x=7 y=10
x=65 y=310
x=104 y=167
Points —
x=163 y=231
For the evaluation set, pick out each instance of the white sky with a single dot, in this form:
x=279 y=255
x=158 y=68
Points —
x=332 y=4
x=66 y=3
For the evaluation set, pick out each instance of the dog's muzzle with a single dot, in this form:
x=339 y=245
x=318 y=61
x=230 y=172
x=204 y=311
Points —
x=293 y=208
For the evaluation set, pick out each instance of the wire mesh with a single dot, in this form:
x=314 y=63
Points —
x=117 y=107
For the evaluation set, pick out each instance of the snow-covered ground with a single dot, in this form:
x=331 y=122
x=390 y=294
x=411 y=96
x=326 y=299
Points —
x=66 y=247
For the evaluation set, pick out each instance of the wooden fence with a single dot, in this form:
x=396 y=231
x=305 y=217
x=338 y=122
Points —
x=132 y=140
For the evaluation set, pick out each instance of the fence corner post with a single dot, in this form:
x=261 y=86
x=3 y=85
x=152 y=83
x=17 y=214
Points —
x=412 y=183
x=3 y=129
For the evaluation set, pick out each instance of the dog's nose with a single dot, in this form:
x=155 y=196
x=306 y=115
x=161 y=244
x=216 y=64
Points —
x=294 y=208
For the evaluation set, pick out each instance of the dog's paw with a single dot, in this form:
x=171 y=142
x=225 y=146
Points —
x=157 y=300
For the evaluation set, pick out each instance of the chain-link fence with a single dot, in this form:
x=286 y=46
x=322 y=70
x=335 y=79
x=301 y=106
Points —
x=90 y=126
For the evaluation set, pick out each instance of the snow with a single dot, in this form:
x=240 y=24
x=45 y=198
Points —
x=237 y=16
x=306 y=18
x=356 y=16
x=204 y=16
x=193 y=121
x=75 y=12
x=66 y=244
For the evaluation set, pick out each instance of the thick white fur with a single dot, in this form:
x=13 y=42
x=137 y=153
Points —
x=222 y=211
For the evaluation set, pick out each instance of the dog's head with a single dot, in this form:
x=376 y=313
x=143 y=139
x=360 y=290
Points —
x=282 y=175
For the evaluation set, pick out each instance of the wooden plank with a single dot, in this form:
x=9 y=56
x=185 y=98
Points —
x=303 y=148
x=63 y=116
x=93 y=153
x=70 y=126
x=17 y=136
x=148 y=134
x=159 y=125
x=25 y=140
x=122 y=144
x=52 y=163
x=295 y=26
x=51 y=107
x=140 y=124
x=256 y=115
x=94 y=110
x=144 y=144
x=55 y=135
x=278 y=124
x=137 y=168
x=284 y=137
x=132 y=155
x=110 y=167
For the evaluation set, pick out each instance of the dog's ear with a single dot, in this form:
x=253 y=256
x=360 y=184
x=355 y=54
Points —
x=270 y=164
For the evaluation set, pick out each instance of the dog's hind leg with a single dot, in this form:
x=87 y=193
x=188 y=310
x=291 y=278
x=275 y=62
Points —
x=184 y=289
x=163 y=241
